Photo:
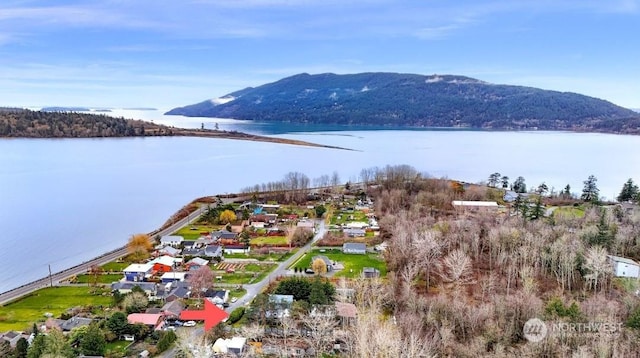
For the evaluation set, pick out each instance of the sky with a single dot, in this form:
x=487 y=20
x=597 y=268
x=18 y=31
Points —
x=167 y=53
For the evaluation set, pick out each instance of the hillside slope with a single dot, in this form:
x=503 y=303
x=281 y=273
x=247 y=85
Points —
x=411 y=100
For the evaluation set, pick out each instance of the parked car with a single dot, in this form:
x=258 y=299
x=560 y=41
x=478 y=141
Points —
x=225 y=305
x=233 y=300
x=189 y=324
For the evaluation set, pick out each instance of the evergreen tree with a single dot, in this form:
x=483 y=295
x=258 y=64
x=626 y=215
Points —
x=566 y=192
x=317 y=294
x=590 y=191
x=494 y=179
x=519 y=186
x=505 y=182
x=22 y=347
x=629 y=191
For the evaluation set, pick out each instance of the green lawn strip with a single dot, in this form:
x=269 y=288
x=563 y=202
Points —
x=269 y=240
x=104 y=278
x=114 y=266
x=21 y=314
x=188 y=234
x=353 y=263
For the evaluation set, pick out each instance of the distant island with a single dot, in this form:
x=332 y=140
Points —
x=23 y=123
x=411 y=100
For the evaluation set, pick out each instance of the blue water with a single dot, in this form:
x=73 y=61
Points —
x=65 y=201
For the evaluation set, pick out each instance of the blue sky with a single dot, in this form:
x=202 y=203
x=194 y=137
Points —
x=161 y=53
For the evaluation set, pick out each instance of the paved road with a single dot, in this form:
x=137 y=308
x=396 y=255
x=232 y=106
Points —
x=281 y=270
x=256 y=288
x=55 y=279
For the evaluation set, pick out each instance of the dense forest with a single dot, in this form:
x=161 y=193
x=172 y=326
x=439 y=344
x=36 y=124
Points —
x=39 y=124
x=391 y=99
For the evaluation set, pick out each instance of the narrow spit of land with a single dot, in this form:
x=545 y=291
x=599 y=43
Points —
x=17 y=123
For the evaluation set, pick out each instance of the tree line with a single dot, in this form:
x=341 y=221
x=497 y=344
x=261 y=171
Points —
x=40 y=124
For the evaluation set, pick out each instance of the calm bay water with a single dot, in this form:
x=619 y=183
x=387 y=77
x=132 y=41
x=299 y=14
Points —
x=65 y=201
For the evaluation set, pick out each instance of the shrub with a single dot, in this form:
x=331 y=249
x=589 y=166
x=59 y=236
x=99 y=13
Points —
x=236 y=315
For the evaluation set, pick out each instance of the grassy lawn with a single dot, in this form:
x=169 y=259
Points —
x=188 y=234
x=254 y=274
x=114 y=266
x=577 y=212
x=106 y=278
x=343 y=217
x=116 y=347
x=237 y=293
x=269 y=240
x=21 y=314
x=276 y=257
x=353 y=263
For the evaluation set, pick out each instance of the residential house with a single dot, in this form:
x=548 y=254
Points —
x=169 y=251
x=217 y=296
x=236 y=249
x=235 y=345
x=213 y=251
x=510 y=196
x=75 y=322
x=354 y=248
x=177 y=291
x=13 y=337
x=138 y=272
x=326 y=260
x=356 y=225
x=124 y=287
x=270 y=208
x=173 y=309
x=280 y=305
x=623 y=267
x=196 y=263
x=354 y=232
x=169 y=277
x=223 y=235
x=370 y=272
x=155 y=321
x=192 y=251
x=165 y=263
x=171 y=240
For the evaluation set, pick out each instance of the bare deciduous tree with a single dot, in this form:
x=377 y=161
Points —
x=597 y=262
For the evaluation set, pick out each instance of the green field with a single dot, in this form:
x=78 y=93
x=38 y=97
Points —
x=269 y=240
x=116 y=347
x=188 y=234
x=353 y=263
x=343 y=217
x=237 y=293
x=253 y=275
x=104 y=278
x=21 y=314
x=114 y=266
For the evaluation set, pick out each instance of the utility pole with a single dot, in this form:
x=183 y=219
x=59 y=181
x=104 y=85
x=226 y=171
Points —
x=50 y=278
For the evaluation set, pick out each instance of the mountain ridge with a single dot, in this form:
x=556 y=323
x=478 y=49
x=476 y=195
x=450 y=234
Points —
x=414 y=100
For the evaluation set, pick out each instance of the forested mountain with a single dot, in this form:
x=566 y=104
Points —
x=39 y=124
x=393 y=99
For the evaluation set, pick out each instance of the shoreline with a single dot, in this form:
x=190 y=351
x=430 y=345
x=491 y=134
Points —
x=54 y=279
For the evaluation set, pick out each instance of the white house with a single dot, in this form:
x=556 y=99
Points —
x=623 y=267
x=475 y=205
x=172 y=240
